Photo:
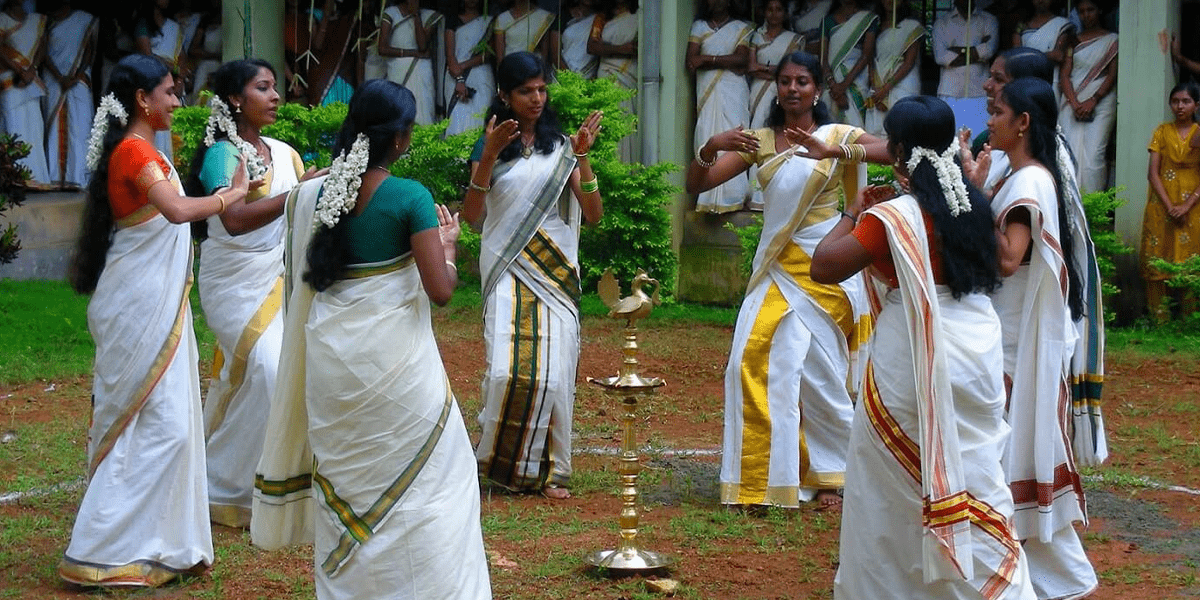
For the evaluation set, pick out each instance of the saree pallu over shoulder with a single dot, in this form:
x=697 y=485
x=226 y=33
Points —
x=722 y=103
x=529 y=258
x=917 y=430
x=1039 y=340
x=514 y=215
x=845 y=49
x=795 y=360
x=282 y=512
x=145 y=443
x=1088 y=440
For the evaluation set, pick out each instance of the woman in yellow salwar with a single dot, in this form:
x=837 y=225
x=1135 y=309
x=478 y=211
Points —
x=792 y=368
x=367 y=456
x=531 y=187
x=240 y=277
x=143 y=520
x=928 y=513
x=1170 y=228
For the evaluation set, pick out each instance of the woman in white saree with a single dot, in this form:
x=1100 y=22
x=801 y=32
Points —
x=1041 y=297
x=143 y=520
x=614 y=40
x=895 y=72
x=364 y=409
x=70 y=48
x=795 y=360
x=241 y=278
x=1046 y=32
x=848 y=38
x=531 y=187
x=928 y=512
x=1089 y=107
x=768 y=45
x=470 y=84
x=22 y=47
x=576 y=34
x=524 y=27
x=718 y=52
x=404 y=42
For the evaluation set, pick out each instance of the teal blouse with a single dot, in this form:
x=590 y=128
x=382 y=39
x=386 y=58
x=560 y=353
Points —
x=398 y=209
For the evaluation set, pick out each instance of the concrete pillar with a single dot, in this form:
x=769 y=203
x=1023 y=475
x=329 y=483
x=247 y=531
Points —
x=1144 y=77
x=266 y=27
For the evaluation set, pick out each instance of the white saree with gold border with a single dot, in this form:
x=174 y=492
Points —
x=619 y=30
x=20 y=42
x=1089 y=139
x=412 y=72
x=927 y=512
x=890 y=48
x=529 y=260
x=1039 y=343
x=241 y=292
x=845 y=50
x=524 y=33
x=792 y=368
x=143 y=520
x=368 y=408
x=69 y=112
x=722 y=103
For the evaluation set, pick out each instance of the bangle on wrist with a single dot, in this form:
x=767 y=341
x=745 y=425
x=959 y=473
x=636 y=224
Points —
x=581 y=155
x=704 y=164
x=847 y=215
x=452 y=265
x=221 y=199
x=479 y=188
x=589 y=187
x=460 y=79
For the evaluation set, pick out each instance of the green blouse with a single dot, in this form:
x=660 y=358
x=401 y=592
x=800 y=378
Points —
x=398 y=209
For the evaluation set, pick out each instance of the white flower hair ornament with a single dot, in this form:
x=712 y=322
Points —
x=109 y=107
x=948 y=173
x=341 y=186
x=220 y=119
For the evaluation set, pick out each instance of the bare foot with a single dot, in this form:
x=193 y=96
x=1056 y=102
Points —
x=555 y=492
x=828 y=500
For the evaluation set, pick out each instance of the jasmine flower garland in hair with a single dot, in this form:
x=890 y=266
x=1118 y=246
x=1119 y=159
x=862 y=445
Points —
x=220 y=119
x=341 y=186
x=949 y=176
x=109 y=106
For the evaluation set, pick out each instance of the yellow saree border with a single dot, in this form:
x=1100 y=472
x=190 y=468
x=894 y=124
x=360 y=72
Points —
x=360 y=528
x=156 y=371
x=253 y=330
x=142 y=573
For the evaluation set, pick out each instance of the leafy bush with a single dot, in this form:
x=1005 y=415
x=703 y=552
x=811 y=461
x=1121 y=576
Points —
x=748 y=238
x=634 y=233
x=1100 y=207
x=12 y=190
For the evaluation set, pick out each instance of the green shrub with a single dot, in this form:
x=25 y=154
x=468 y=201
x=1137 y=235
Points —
x=1100 y=208
x=13 y=176
x=748 y=238
x=634 y=233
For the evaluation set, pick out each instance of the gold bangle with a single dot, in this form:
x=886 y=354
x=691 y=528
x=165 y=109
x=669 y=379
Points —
x=450 y=263
x=578 y=155
x=588 y=187
x=480 y=188
x=220 y=199
x=704 y=164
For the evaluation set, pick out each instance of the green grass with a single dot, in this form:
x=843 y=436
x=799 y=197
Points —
x=40 y=455
x=43 y=332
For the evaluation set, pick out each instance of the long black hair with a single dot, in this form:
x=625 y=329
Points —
x=228 y=80
x=379 y=109
x=820 y=112
x=1035 y=97
x=1024 y=61
x=134 y=72
x=967 y=242
x=515 y=70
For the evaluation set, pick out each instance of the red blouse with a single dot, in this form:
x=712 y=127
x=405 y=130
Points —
x=135 y=166
x=872 y=234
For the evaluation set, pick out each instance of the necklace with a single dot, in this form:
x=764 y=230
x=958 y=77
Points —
x=527 y=146
x=138 y=137
x=382 y=168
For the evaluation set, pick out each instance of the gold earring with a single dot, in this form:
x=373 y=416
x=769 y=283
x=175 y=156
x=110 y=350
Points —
x=1020 y=134
x=237 y=109
x=816 y=100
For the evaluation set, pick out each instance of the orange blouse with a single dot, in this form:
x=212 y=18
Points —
x=135 y=166
x=872 y=234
